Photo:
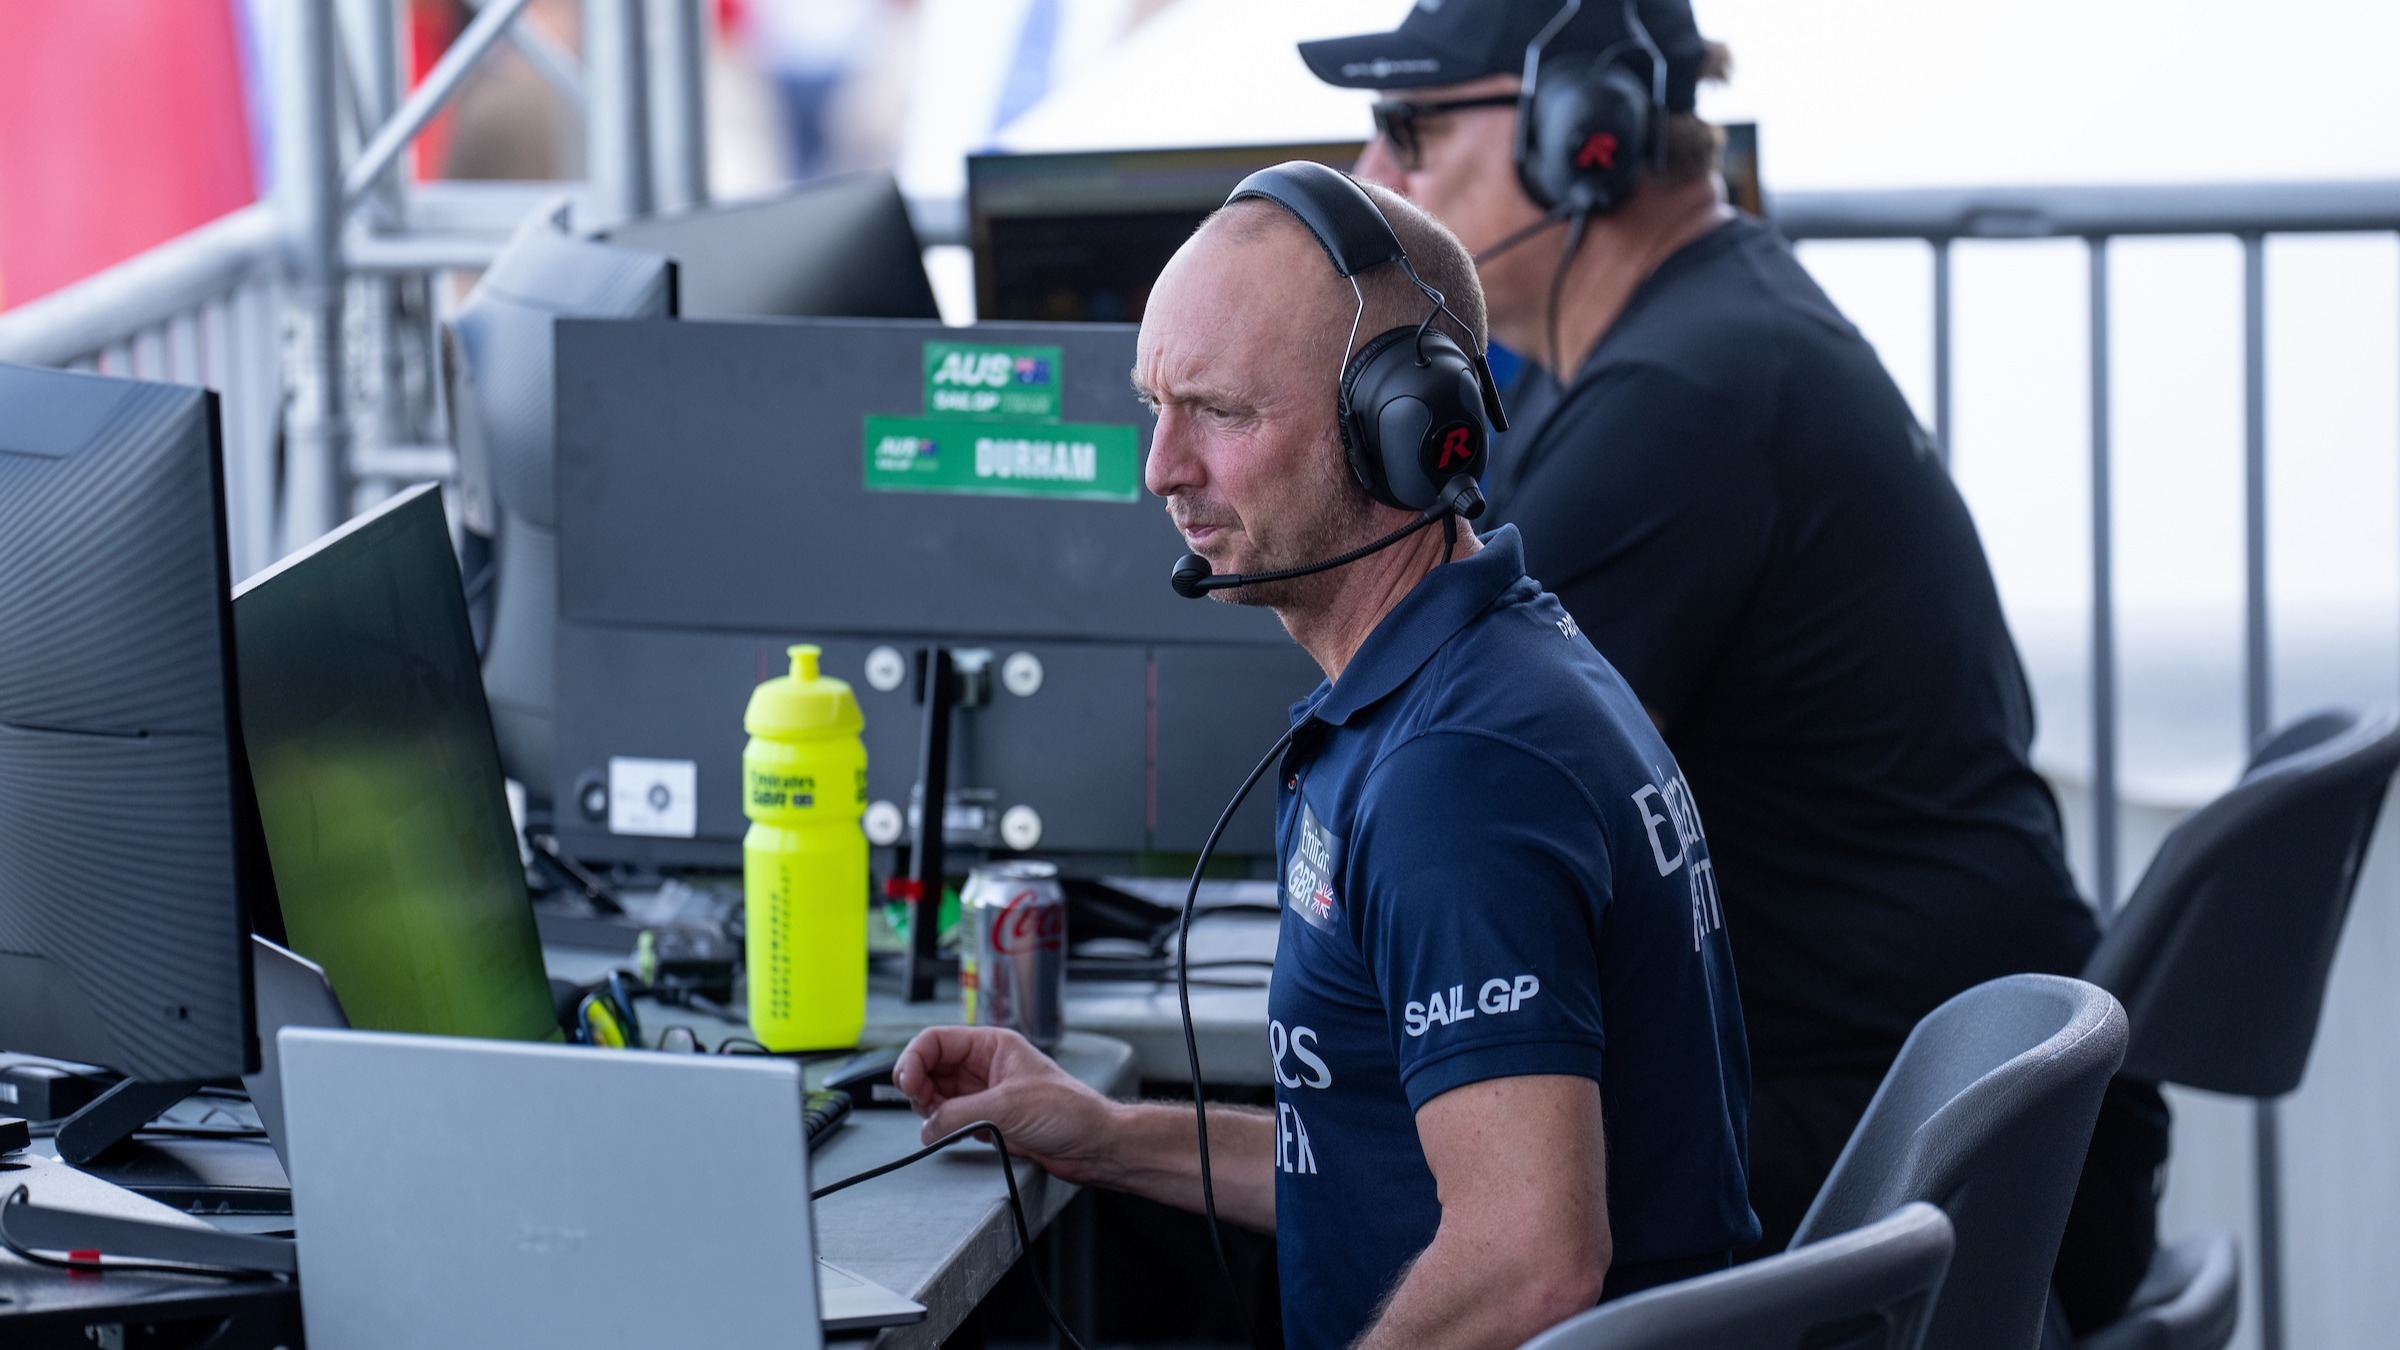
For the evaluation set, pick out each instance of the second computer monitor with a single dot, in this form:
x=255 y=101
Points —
x=125 y=882
x=379 y=785
x=1077 y=238
x=839 y=246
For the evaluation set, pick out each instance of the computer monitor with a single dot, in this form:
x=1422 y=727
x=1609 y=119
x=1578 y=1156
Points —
x=877 y=487
x=1075 y=238
x=126 y=874
x=503 y=406
x=379 y=785
x=840 y=246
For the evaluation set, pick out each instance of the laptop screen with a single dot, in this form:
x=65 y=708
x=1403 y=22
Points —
x=379 y=783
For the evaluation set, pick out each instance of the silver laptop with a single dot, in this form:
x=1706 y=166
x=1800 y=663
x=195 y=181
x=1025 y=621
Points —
x=455 y=1192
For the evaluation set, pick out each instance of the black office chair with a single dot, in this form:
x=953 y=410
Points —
x=1986 y=1113
x=1868 y=1289
x=2220 y=957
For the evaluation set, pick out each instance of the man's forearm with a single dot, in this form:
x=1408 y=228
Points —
x=1470 y=1291
x=1155 y=1153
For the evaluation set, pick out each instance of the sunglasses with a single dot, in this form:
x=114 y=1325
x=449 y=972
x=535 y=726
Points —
x=1396 y=121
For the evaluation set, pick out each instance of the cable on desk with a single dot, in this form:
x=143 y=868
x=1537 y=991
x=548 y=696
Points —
x=1191 y=1041
x=98 y=1262
x=1016 y=1204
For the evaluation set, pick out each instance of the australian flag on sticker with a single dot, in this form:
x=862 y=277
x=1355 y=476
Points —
x=1308 y=877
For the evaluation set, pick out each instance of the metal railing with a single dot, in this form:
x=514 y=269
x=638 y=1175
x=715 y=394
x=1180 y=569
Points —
x=2097 y=215
x=315 y=314
x=206 y=309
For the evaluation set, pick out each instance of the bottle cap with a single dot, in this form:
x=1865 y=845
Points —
x=803 y=703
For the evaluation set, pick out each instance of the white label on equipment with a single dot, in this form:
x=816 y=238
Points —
x=654 y=796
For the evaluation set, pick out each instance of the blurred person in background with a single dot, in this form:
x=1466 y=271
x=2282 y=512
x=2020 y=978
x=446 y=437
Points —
x=811 y=49
x=1712 y=470
x=507 y=121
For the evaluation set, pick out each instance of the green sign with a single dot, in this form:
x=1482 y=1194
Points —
x=967 y=379
x=1082 y=461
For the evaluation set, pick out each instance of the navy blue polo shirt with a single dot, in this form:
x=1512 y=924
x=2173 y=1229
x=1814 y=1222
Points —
x=1491 y=867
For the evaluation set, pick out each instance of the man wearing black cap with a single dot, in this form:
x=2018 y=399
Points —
x=1712 y=470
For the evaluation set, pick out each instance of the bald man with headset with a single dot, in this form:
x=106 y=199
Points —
x=1510 y=1070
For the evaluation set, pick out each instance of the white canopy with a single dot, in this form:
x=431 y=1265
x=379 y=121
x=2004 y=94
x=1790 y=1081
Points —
x=1208 y=72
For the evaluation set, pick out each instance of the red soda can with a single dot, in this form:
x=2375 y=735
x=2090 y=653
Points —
x=1013 y=968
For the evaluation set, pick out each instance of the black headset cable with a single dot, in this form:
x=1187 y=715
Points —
x=1191 y=1042
x=1016 y=1204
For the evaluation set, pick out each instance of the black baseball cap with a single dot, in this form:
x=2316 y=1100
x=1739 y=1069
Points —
x=1453 y=41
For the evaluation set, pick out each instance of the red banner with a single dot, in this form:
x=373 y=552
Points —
x=122 y=125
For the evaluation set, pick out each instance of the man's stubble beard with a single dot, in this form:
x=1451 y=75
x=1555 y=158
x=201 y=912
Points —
x=1341 y=519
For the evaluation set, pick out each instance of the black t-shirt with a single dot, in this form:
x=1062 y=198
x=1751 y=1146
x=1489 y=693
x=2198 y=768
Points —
x=1738 y=507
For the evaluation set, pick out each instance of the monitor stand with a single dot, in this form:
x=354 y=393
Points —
x=290 y=991
x=113 y=1117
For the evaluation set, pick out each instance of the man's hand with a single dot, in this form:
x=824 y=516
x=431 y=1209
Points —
x=955 y=1076
x=1524 y=1242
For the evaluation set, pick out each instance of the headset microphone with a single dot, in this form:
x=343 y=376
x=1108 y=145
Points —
x=1193 y=577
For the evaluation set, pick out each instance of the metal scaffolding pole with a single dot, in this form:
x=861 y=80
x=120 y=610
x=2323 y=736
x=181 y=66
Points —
x=2257 y=719
x=373 y=29
x=678 y=61
x=617 y=124
x=1941 y=348
x=308 y=195
x=2104 y=616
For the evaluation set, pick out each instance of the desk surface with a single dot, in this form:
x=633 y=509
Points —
x=45 y=1305
x=1229 y=1021
x=940 y=1231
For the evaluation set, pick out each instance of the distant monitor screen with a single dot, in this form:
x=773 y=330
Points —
x=1738 y=165
x=379 y=785
x=1079 y=238
x=839 y=246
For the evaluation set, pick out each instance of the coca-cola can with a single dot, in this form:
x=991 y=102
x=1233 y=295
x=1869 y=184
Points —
x=1012 y=969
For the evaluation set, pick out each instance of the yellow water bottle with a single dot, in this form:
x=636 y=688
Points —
x=804 y=861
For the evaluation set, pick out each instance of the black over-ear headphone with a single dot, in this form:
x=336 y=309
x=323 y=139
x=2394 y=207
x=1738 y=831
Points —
x=1588 y=127
x=1415 y=409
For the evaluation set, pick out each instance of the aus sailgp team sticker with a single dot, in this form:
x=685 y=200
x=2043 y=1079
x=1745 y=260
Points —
x=975 y=380
x=1082 y=461
x=1308 y=887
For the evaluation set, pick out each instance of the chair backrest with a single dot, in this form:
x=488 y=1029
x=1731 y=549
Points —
x=2190 y=1299
x=1869 y=1289
x=2221 y=953
x=1986 y=1113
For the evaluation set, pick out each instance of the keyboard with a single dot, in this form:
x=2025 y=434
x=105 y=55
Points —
x=824 y=1113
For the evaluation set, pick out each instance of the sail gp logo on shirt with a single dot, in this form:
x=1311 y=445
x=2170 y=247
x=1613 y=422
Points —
x=1499 y=995
x=1308 y=878
x=1681 y=820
